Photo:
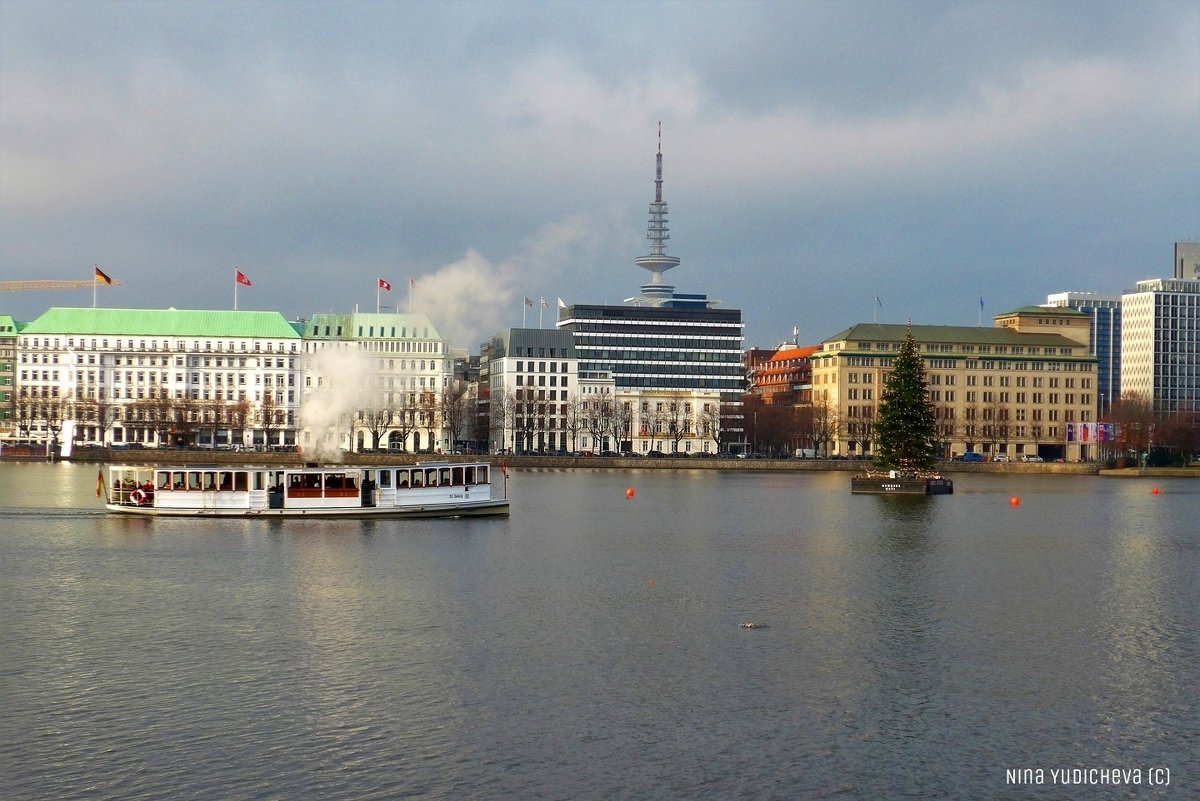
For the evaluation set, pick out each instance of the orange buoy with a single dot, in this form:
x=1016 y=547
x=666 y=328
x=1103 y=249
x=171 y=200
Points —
x=1154 y=491
x=629 y=493
x=1014 y=501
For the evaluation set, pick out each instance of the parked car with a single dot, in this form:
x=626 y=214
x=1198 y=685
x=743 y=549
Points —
x=1001 y=457
x=1032 y=457
x=971 y=456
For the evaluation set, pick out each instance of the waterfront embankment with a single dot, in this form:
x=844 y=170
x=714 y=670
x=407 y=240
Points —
x=103 y=455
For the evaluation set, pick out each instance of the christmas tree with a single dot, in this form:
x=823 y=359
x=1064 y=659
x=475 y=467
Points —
x=905 y=425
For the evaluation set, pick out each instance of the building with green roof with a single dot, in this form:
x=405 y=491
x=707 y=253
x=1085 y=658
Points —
x=8 y=357
x=1016 y=390
x=373 y=380
x=174 y=323
x=157 y=377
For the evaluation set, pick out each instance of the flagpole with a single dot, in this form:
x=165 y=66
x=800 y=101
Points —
x=377 y=296
x=524 y=308
x=541 y=307
x=94 y=268
x=235 y=283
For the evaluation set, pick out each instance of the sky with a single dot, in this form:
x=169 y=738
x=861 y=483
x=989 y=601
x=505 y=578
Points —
x=826 y=163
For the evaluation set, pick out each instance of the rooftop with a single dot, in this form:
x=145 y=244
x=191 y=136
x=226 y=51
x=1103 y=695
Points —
x=162 y=322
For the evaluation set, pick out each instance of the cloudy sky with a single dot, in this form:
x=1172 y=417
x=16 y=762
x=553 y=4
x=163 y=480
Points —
x=817 y=154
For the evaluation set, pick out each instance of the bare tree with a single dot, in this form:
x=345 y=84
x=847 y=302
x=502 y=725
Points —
x=709 y=423
x=862 y=428
x=24 y=412
x=375 y=418
x=620 y=422
x=429 y=415
x=575 y=418
x=269 y=416
x=525 y=417
x=455 y=408
x=1134 y=418
x=972 y=430
x=826 y=425
x=598 y=413
x=501 y=413
x=676 y=420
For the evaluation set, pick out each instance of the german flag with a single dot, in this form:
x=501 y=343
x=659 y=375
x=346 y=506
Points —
x=100 y=276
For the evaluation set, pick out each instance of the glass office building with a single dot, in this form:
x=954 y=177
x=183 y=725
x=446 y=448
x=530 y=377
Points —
x=1104 y=311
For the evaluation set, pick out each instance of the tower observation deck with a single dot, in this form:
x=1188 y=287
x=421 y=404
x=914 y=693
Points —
x=657 y=261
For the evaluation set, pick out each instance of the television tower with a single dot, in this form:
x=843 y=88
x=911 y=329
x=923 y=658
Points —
x=657 y=262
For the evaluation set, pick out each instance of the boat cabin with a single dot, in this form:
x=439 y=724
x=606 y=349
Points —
x=211 y=487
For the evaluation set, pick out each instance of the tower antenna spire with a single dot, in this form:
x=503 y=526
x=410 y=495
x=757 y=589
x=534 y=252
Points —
x=657 y=261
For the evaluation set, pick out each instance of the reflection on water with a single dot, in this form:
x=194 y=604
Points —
x=589 y=646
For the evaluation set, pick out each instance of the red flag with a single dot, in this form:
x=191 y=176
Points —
x=385 y=285
x=100 y=276
x=242 y=279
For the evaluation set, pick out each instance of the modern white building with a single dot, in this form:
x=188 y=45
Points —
x=1160 y=343
x=531 y=391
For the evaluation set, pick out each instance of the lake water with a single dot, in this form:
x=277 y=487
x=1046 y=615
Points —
x=590 y=647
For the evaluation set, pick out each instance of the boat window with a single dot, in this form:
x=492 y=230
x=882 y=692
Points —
x=431 y=477
x=179 y=480
x=470 y=475
x=482 y=478
x=210 y=480
x=163 y=480
x=260 y=479
x=241 y=481
x=226 y=481
x=193 y=480
x=458 y=476
x=445 y=482
x=385 y=478
x=418 y=478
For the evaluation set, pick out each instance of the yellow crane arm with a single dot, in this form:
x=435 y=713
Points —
x=25 y=286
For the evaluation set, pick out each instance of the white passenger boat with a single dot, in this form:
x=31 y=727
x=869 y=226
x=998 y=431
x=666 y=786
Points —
x=428 y=489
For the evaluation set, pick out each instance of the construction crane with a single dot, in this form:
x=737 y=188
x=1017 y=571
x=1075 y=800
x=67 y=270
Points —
x=25 y=286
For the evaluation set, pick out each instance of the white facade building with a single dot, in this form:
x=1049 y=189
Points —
x=374 y=381
x=158 y=377
x=1160 y=343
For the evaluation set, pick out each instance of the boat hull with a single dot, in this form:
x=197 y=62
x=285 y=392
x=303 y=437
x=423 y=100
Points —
x=475 y=509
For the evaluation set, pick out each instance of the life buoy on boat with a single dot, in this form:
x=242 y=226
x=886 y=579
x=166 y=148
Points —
x=138 y=497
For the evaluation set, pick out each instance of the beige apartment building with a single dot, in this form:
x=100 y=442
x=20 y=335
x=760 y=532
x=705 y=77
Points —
x=1023 y=389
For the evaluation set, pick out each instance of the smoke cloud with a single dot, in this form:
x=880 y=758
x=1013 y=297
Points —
x=328 y=409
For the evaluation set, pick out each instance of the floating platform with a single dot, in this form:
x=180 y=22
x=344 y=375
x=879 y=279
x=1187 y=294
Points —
x=894 y=484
